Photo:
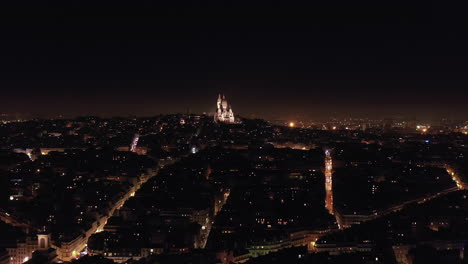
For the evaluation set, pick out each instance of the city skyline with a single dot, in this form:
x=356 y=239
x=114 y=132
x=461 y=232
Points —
x=243 y=107
x=182 y=189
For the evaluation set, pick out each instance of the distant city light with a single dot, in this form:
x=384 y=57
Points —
x=292 y=124
x=422 y=128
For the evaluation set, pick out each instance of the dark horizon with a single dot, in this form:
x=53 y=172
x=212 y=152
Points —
x=246 y=107
x=314 y=60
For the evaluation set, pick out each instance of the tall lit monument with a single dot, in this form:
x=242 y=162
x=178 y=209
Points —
x=224 y=111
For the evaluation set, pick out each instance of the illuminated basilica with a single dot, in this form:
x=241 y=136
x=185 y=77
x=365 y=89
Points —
x=224 y=111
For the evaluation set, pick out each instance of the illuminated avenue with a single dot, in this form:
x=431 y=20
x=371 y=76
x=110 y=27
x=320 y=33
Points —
x=329 y=181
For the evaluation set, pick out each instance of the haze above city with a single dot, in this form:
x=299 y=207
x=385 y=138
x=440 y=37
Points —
x=315 y=60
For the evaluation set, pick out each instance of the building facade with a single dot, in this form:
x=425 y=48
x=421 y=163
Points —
x=224 y=111
x=23 y=250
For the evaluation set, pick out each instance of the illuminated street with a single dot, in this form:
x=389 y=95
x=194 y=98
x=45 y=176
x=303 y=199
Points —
x=455 y=178
x=329 y=182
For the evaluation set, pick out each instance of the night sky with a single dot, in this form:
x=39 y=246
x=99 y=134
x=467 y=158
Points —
x=272 y=59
